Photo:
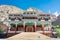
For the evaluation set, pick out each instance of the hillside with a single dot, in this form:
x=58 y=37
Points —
x=6 y=9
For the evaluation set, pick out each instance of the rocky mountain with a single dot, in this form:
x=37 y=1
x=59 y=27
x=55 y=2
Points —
x=58 y=17
x=57 y=22
x=7 y=9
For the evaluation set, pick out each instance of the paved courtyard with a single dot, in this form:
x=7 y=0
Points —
x=30 y=36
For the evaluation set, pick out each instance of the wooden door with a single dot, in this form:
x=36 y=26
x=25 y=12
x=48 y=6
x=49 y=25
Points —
x=29 y=29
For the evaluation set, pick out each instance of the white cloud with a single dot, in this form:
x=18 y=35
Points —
x=56 y=13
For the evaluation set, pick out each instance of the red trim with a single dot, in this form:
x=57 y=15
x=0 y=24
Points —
x=51 y=31
x=23 y=28
x=48 y=28
x=16 y=29
x=7 y=31
x=34 y=28
x=43 y=29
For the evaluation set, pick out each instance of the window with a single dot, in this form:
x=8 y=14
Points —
x=20 y=27
x=13 y=26
x=39 y=19
x=24 y=13
x=10 y=14
x=31 y=13
x=12 y=18
x=48 y=14
x=1 y=11
x=42 y=15
x=29 y=17
x=19 y=19
x=27 y=12
x=46 y=19
x=16 y=14
x=39 y=27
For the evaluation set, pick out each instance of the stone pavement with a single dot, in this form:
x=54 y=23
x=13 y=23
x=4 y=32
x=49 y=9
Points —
x=30 y=36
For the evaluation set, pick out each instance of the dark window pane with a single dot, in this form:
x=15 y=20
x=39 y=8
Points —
x=29 y=17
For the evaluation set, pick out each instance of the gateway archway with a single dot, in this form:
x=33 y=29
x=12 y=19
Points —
x=29 y=28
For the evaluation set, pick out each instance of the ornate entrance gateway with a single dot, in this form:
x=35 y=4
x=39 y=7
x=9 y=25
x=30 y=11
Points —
x=29 y=28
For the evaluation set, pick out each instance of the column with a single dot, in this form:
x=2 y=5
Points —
x=9 y=26
x=35 y=27
x=24 y=26
x=51 y=30
x=7 y=31
x=16 y=28
x=43 y=28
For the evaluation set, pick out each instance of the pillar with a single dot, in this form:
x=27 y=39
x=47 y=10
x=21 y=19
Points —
x=16 y=28
x=35 y=27
x=7 y=31
x=42 y=28
x=24 y=26
x=51 y=31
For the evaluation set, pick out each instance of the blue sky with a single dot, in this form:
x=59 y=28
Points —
x=44 y=5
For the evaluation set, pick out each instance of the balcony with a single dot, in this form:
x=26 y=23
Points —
x=27 y=20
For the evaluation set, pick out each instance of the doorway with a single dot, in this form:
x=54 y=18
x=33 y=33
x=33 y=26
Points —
x=39 y=27
x=29 y=28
